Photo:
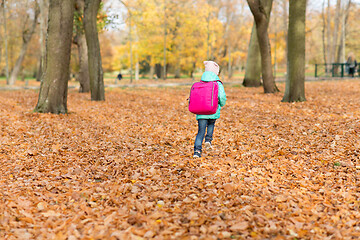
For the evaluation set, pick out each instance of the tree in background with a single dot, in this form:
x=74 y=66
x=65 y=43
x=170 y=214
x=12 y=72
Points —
x=3 y=6
x=94 y=56
x=262 y=18
x=295 y=81
x=54 y=85
x=344 y=18
x=44 y=9
x=253 y=63
x=27 y=33
x=195 y=31
x=80 y=41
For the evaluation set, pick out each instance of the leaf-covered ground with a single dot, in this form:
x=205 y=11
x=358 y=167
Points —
x=123 y=168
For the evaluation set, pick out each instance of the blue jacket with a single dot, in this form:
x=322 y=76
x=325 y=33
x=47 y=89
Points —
x=208 y=77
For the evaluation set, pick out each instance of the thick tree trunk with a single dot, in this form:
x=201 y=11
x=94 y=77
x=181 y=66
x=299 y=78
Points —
x=80 y=40
x=94 y=57
x=295 y=82
x=258 y=9
x=54 y=85
x=253 y=62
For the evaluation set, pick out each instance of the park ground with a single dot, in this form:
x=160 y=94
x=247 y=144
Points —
x=123 y=168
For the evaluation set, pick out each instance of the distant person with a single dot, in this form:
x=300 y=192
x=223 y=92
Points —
x=119 y=77
x=351 y=62
x=206 y=123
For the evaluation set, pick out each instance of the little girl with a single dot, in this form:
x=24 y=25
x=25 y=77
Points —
x=207 y=122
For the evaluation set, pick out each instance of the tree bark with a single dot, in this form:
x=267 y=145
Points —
x=83 y=77
x=285 y=22
x=26 y=37
x=253 y=62
x=3 y=4
x=42 y=35
x=344 y=18
x=159 y=70
x=137 y=67
x=258 y=9
x=336 y=30
x=94 y=57
x=151 y=72
x=323 y=36
x=295 y=82
x=165 y=34
x=328 y=33
x=80 y=40
x=54 y=84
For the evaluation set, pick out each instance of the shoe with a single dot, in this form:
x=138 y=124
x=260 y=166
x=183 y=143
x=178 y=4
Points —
x=197 y=154
x=208 y=145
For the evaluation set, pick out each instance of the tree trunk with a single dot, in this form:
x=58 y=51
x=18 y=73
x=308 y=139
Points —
x=3 y=4
x=335 y=45
x=285 y=22
x=253 y=62
x=94 y=56
x=336 y=30
x=295 y=82
x=165 y=26
x=83 y=76
x=323 y=36
x=39 y=69
x=54 y=84
x=344 y=18
x=137 y=67
x=152 y=71
x=42 y=35
x=17 y=67
x=26 y=37
x=178 y=68
x=230 y=72
x=152 y=68
x=80 y=40
x=262 y=18
x=158 y=70
x=328 y=35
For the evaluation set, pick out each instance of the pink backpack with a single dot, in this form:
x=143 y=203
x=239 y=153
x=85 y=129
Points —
x=204 y=98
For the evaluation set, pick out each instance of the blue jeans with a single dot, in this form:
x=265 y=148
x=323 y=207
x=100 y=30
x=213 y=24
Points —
x=203 y=124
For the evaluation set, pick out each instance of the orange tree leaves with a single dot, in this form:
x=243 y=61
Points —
x=122 y=169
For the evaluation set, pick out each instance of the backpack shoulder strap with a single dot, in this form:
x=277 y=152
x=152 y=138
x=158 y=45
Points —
x=212 y=81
